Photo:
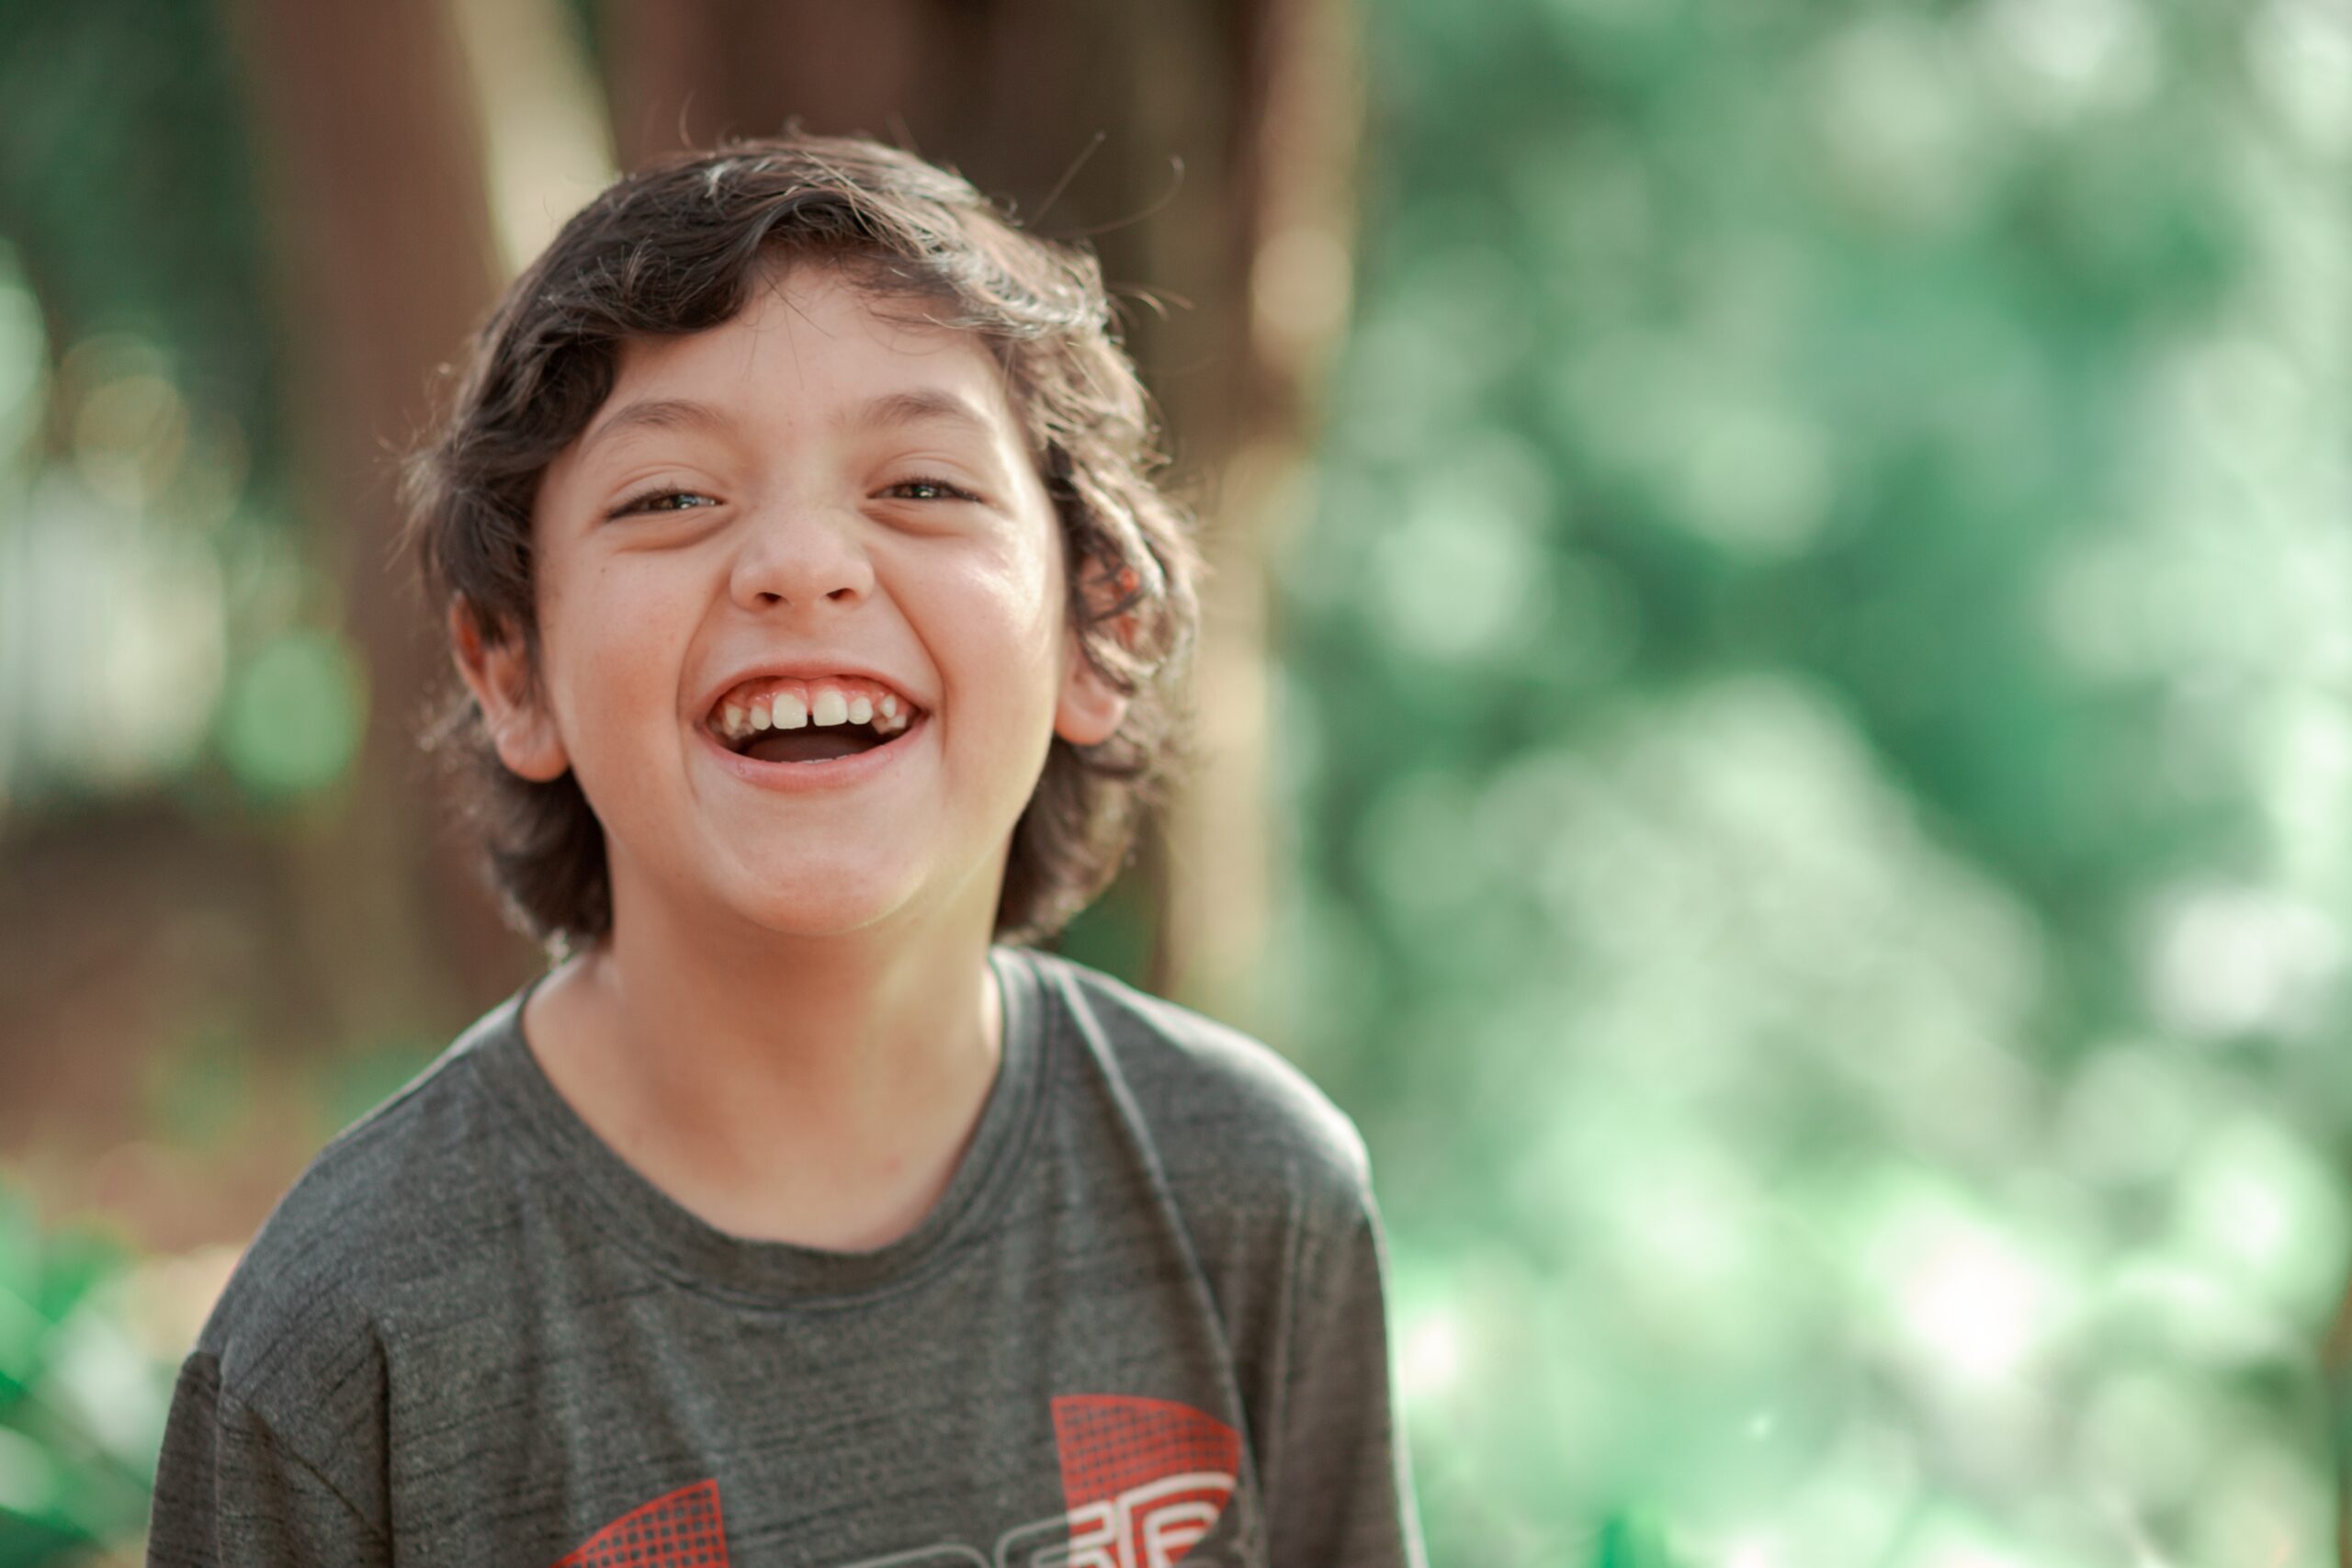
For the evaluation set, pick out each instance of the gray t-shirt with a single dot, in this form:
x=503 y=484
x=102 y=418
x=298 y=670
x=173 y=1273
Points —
x=1144 y=1323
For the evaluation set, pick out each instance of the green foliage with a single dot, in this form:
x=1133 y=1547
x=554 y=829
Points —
x=294 y=715
x=81 y=1404
x=1814 y=702
x=128 y=179
x=147 y=576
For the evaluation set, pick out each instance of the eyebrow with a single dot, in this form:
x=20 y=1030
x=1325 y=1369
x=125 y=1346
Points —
x=891 y=411
x=656 y=413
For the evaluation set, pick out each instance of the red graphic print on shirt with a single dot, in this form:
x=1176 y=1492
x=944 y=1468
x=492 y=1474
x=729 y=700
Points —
x=677 y=1529
x=1142 y=1482
x=1143 y=1479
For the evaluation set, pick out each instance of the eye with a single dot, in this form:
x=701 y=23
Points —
x=650 y=500
x=933 y=490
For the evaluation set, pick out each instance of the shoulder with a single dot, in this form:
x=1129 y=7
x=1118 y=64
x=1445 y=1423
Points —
x=1269 y=1180
x=378 y=1214
x=1224 y=1110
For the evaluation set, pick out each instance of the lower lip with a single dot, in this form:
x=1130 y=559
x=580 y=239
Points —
x=834 y=773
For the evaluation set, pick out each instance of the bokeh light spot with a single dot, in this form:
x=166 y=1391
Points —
x=295 y=716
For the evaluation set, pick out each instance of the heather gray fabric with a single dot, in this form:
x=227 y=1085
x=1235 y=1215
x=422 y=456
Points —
x=1147 y=1314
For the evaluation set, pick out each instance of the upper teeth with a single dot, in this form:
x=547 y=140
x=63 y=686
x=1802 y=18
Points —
x=796 y=704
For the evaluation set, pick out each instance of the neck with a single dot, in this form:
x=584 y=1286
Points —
x=814 y=1089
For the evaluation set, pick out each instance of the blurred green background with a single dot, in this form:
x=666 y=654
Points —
x=1784 y=635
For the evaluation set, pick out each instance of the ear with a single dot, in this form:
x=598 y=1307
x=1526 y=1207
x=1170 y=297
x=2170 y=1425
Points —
x=1090 y=709
x=499 y=677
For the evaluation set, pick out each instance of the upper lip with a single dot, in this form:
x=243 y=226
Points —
x=807 y=669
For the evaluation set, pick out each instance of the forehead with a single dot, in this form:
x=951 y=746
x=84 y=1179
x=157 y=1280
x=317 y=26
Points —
x=810 y=346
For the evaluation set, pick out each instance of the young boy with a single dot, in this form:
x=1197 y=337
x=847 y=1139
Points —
x=820 y=633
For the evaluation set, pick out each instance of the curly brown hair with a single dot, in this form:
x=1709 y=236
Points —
x=677 y=248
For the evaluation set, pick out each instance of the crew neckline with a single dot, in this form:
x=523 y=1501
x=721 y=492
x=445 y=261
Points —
x=694 y=1252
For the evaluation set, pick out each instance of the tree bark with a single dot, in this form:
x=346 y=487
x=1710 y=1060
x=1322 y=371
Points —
x=151 y=941
x=387 y=258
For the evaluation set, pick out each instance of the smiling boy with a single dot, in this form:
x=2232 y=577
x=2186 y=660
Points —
x=819 y=635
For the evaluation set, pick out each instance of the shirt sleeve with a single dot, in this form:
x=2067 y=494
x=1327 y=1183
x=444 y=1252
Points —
x=228 y=1490
x=1340 y=1483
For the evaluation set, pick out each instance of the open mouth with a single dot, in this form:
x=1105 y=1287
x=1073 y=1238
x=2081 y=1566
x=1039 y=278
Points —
x=809 y=721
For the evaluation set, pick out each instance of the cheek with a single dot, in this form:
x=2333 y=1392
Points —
x=610 y=628
x=1037 y=637
x=1001 y=606
x=1041 y=592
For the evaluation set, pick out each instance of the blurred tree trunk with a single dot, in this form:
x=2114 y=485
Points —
x=156 y=950
x=149 y=943
x=387 y=258
x=1226 y=137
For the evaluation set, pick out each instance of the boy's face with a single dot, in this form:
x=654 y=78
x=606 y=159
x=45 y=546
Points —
x=857 y=497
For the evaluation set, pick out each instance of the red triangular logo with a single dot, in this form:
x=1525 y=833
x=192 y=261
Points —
x=1143 y=1479
x=677 y=1529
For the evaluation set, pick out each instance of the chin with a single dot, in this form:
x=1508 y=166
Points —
x=825 y=900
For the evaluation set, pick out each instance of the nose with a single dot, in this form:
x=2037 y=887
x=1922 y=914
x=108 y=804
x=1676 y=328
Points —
x=800 y=555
